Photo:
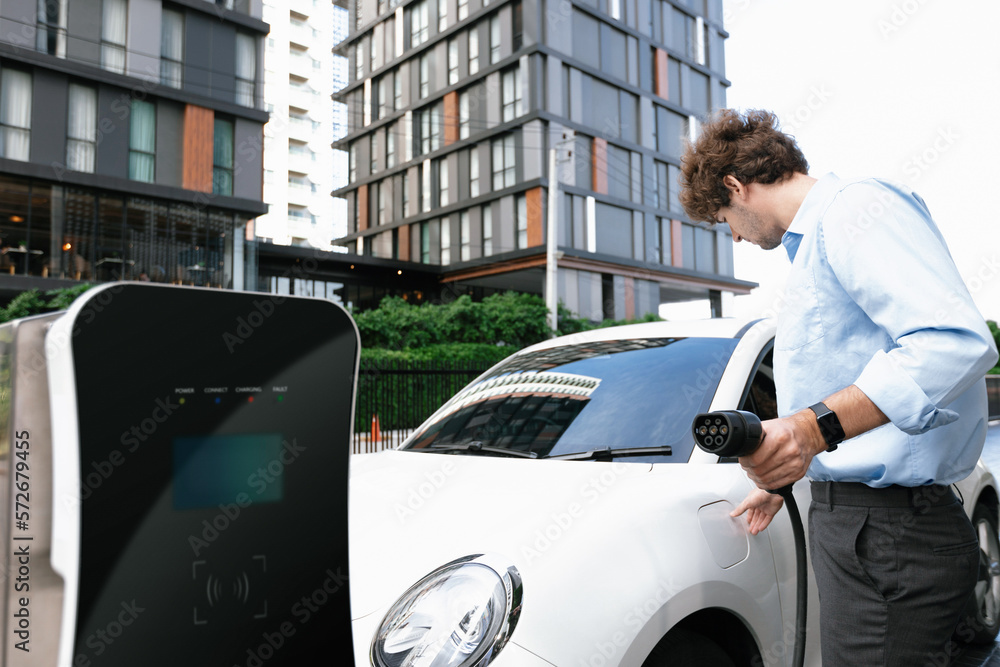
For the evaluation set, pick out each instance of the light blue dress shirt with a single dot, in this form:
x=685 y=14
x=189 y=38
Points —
x=874 y=299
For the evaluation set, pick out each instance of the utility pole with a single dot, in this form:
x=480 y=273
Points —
x=551 y=255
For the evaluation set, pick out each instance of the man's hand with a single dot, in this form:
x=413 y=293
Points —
x=760 y=507
x=786 y=451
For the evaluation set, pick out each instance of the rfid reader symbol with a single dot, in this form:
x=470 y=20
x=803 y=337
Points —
x=229 y=593
x=215 y=588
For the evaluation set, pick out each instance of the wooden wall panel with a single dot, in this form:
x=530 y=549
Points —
x=535 y=209
x=676 y=244
x=451 y=118
x=362 y=207
x=599 y=158
x=404 y=243
x=661 y=82
x=199 y=136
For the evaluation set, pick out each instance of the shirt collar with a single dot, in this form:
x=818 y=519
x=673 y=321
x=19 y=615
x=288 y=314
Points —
x=805 y=219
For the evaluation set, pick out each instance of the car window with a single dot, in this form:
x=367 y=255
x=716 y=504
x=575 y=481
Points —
x=577 y=398
x=762 y=399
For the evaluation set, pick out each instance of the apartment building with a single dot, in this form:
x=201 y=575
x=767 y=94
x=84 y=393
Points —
x=453 y=106
x=299 y=80
x=131 y=136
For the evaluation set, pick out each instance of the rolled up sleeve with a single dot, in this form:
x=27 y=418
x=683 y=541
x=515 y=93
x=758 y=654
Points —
x=889 y=257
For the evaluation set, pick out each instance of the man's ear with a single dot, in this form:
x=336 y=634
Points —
x=736 y=189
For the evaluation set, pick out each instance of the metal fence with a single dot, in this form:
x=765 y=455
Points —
x=395 y=397
x=993 y=395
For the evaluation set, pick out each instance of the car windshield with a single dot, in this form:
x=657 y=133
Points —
x=616 y=395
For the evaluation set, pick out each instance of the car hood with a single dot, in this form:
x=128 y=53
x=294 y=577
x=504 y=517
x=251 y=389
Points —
x=411 y=512
x=610 y=541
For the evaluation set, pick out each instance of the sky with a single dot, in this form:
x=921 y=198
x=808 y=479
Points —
x=901 y=89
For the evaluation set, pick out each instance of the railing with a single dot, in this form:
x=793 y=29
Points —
x=393 y=398
x=993 y=396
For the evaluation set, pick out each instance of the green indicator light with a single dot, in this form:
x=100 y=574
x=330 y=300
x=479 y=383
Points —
x=280 y=398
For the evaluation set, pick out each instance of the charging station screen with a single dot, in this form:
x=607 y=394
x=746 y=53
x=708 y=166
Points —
x=214 y=470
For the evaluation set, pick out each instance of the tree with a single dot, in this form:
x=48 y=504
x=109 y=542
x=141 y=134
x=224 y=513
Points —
x=995 y=330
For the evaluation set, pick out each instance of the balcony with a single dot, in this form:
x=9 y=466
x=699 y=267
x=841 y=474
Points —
x=301 y=64
x=303 y=96
x=303 y=34
x=301 y=158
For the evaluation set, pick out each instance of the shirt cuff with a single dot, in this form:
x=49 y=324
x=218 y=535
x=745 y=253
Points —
x=900 y=398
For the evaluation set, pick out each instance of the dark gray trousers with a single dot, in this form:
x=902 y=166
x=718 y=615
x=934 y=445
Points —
x=894 y=571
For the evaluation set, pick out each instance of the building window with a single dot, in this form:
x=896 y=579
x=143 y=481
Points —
x=474 y=50
x=142 y=142
x=383 y=98
x=425 y=77
x=372 y=52
x=397 y=93
x=81 y=130
x=511 y=94
x=452 y=62
x=474 y=173
x=463 y=115
x=15 y=114
x=442 y=15
x=504 y=162
x=381 y=203
x=372 y=153
x=113 y=31
x=406 y=195
x=51 y=37
x=425 y=186
x=352 y=163
x=390 y=147
x=222 y=162
x=437 y=125
x=522 y=221
x=445 y=241
x=463 y=9
x=517 y=33
x=487 y=230
x=430 y=128
x=359 y=62
x=465 y=237
x=425 y=243
x=418 y=23
x=246 y=69
x=494 y=38
x=172 y=48
x=444 y=183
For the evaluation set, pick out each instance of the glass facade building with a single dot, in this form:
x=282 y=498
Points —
x=131 y=139
x=452 y=110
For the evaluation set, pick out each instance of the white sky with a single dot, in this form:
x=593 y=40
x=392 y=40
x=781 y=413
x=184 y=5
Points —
x=901 y=89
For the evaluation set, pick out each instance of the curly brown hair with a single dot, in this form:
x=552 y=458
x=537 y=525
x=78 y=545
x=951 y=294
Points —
x=750 y=146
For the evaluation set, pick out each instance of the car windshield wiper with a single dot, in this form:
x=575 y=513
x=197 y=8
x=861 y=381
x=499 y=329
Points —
x=476 y=446
x=607 y=453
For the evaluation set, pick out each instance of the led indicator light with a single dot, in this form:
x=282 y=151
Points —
x=218 y=400
x=281 y=397
x=249 y=399
x=181 y=401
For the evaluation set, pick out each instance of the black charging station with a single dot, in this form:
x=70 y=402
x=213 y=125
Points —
x=200 y=443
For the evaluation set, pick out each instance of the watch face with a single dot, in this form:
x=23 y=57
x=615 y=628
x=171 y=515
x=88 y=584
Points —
x=829 y=424
x=214 y=444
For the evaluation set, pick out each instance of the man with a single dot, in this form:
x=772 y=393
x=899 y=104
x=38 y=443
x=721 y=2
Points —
x=879 y=361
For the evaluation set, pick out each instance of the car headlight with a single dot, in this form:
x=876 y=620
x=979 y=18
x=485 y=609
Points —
x=459 y=615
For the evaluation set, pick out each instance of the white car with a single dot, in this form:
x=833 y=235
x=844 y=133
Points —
x=556 y=512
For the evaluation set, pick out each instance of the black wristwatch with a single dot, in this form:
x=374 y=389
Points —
x=829 y=425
